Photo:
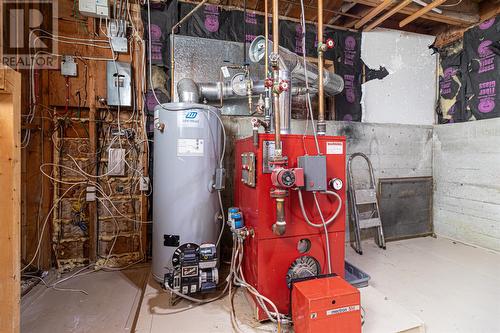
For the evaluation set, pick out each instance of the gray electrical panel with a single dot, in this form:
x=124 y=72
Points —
x=314 y=172
x=119 y=83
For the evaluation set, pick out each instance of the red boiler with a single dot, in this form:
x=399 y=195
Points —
x=270 y=261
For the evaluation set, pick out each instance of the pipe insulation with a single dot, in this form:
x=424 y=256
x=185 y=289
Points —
x=333 y=83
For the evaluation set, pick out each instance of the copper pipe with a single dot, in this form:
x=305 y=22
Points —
x=266 y=34
x=276 y=106
x=321 y=91
x=279 y=227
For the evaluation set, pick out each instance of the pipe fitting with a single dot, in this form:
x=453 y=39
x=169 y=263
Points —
x=321 y=127
x=188 y=91
x=279 y=229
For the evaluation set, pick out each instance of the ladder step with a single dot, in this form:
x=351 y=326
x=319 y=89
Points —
x=369 y=223
x=364 y=197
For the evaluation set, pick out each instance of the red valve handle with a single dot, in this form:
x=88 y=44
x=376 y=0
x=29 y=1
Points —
x=283 y=86
x=268 y=82
x=330 y=43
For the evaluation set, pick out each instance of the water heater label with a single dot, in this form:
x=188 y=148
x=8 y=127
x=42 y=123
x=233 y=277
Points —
x=190 y=147
x=189 y=119
x=334 y=148
x=342 y=310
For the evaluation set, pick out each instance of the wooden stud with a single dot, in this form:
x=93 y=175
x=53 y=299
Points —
x=47 y=190
x=420 y=12
x=374 y=12
x=384 y=17
x=92 y=99
x=10 y=203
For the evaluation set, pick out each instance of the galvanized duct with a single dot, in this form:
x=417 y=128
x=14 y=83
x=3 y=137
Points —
x=333 y=83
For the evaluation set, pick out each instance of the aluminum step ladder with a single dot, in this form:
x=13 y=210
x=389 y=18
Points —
x=363 y=205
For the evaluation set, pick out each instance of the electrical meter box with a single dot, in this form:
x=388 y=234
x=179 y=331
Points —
x=326 y=304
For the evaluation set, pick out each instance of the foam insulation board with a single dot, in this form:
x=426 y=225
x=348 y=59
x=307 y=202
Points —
x=408 y=94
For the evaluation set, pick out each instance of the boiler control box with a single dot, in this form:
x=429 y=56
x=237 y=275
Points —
x=314 y=172
x=326 y=304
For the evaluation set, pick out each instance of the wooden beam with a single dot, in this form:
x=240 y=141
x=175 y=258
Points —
x=10 y=203
x=391 y=12
x=447 y=17
x=374 y=12
x=344 y=9
x=420 y=12
x=489 y=9
x=326 y=10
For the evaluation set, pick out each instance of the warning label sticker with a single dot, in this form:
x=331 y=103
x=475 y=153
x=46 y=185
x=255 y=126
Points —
x=190 y=147
x=334 y=148
x=342 y=310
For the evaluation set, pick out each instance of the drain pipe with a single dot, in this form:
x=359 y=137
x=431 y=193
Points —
x=321 y=124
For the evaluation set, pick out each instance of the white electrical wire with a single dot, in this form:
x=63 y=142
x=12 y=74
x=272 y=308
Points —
x=26 y=139
x=325 y=229
x=223 y=218
x=330 y=220
x=304 y=64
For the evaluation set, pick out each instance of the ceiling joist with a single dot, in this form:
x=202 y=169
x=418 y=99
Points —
x=421 y=12
x=391 y=12
x=374 y=12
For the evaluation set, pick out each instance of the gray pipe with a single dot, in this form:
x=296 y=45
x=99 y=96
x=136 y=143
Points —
x=188 y=91
x=333 y=83
x=191 y=92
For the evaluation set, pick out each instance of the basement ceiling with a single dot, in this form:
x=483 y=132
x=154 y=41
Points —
x=368 y=14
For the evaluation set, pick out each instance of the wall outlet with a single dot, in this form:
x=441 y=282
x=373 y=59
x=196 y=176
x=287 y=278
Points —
x=144 y=183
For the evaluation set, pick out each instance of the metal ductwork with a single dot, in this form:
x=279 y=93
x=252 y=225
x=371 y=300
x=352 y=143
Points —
x=333 y=83
x=190 y=91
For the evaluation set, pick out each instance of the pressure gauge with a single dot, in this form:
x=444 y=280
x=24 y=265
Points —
x=336 y=183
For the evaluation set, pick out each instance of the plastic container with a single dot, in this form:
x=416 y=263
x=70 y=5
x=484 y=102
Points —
x=355 y=276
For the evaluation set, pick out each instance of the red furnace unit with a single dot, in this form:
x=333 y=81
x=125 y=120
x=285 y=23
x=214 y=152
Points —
x=326 y=305
x=272 y=261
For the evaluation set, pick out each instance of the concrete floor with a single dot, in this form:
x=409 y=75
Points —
x=383 y=315
x=448 y=286
x=110 y=306
x=451 y=286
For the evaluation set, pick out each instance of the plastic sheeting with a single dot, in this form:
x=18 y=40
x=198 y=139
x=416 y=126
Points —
x=469 y=77
x=481 y=55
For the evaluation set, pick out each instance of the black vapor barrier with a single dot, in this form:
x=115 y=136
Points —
x=481 y=56
x=213 y=22
x=469 y=77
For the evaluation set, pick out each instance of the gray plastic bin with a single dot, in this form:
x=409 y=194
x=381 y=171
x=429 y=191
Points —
x=355 y=276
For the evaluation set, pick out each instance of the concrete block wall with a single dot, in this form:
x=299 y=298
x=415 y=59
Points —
x=466 y=170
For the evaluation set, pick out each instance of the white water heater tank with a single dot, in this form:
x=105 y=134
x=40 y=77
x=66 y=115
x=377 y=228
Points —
x=187 y=148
